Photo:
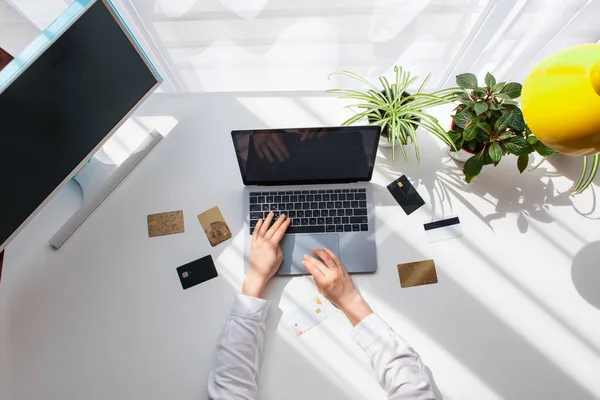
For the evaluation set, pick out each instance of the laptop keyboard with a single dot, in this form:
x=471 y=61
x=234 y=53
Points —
x=313 y=211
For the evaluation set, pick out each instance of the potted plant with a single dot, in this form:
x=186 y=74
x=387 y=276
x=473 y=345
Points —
x=398 y=112
x=488 y=124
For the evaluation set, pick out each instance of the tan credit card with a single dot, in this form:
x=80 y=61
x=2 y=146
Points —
x=167 y=223
x=214 y=226
x=417 y=273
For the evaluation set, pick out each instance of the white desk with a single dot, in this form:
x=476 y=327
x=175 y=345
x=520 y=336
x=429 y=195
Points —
x=512 y=317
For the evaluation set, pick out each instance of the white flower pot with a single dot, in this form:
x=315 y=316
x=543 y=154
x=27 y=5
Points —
x=384 y=142
x=461 y=156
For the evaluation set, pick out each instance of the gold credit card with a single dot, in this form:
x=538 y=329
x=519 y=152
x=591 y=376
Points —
x=417 y=273
x=214 y=226
x=167 y=223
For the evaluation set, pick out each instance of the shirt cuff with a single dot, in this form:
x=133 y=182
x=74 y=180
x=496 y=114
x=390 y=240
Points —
x=367 y=331
x=250 y=307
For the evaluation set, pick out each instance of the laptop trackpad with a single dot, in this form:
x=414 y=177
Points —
x=295 y=247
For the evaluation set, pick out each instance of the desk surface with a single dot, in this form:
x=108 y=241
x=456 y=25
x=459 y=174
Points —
x=515 y=314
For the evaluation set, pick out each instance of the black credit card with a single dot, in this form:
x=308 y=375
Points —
x=196 y=272
x=406 y=195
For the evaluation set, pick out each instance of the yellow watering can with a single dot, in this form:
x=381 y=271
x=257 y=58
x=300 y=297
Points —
x=561 y=104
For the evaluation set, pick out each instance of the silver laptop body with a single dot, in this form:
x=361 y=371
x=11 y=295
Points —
x=339 y=216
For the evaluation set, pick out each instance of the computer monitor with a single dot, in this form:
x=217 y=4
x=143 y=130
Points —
x=60 y=100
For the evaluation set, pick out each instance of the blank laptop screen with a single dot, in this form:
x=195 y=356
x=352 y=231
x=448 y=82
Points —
x=304 y=156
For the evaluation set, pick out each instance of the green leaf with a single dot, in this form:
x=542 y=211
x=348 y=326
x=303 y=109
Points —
x=503 y=96
x=462 y=118
x=485 y=127
x=469 y=104
x=518 y=146
x=581 y=186
x=482 y=137
x=473 y=166
x=454 y=135
x=532 y=140
x=471 y=131
x=466 y=81
x=490 y=81
x=503 y=122
x=512 y=89
x=498 y=87
x=355 y=118
x=522 y=162
x=495 y=152
x=517 y=122
x=496 y=107
x=480 y=93
x=543 y=150
x=480 y=107
x=354 y=76
x=505 y=136
x=472 y=146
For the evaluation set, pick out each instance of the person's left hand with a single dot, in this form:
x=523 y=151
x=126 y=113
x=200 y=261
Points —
x=265 y=254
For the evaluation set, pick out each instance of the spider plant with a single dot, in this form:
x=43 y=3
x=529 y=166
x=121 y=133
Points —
x=584 y=183
x=398 y=112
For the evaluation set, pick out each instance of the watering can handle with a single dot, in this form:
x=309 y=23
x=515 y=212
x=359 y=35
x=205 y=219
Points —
x=595 y=77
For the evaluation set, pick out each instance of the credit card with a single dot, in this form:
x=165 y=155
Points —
x=417 y=273
x=406 y=195
x=166 y=223
x=197 y=272
x=443 y=229
x=308 y=315
x=214 y=226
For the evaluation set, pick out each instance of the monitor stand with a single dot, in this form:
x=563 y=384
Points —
x=97 y=180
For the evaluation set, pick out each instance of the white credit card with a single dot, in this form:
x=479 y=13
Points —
x=443 y=229
x=308 y=315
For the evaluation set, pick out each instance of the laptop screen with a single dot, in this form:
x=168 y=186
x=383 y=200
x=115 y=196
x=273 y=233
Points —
x=306 y=156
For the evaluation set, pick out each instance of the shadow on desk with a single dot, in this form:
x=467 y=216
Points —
x=506 y=190
x=585 y=273
x=476 y=336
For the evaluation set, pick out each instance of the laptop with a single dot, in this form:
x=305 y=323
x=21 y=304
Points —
x=319 y=178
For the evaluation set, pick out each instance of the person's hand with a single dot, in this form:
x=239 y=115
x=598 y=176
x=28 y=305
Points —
x=270 y=146
x=309 y=134
x=334 y=282
x=265 y=254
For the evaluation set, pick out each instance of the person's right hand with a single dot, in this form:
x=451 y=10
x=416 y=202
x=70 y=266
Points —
x=334 y=282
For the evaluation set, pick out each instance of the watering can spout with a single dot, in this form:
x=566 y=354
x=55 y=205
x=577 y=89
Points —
x=595 y=77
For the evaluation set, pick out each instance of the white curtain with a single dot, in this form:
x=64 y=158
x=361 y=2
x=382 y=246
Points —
x=281 y=45
x=277 y=45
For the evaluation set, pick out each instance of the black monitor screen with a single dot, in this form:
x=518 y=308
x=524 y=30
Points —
x=304 y=156
x=62 y=106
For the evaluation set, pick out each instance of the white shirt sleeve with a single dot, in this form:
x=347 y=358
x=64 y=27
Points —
x=398 y=367
x=239 y=352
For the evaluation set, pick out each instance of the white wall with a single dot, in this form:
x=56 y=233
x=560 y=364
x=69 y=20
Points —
x=16 y=31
